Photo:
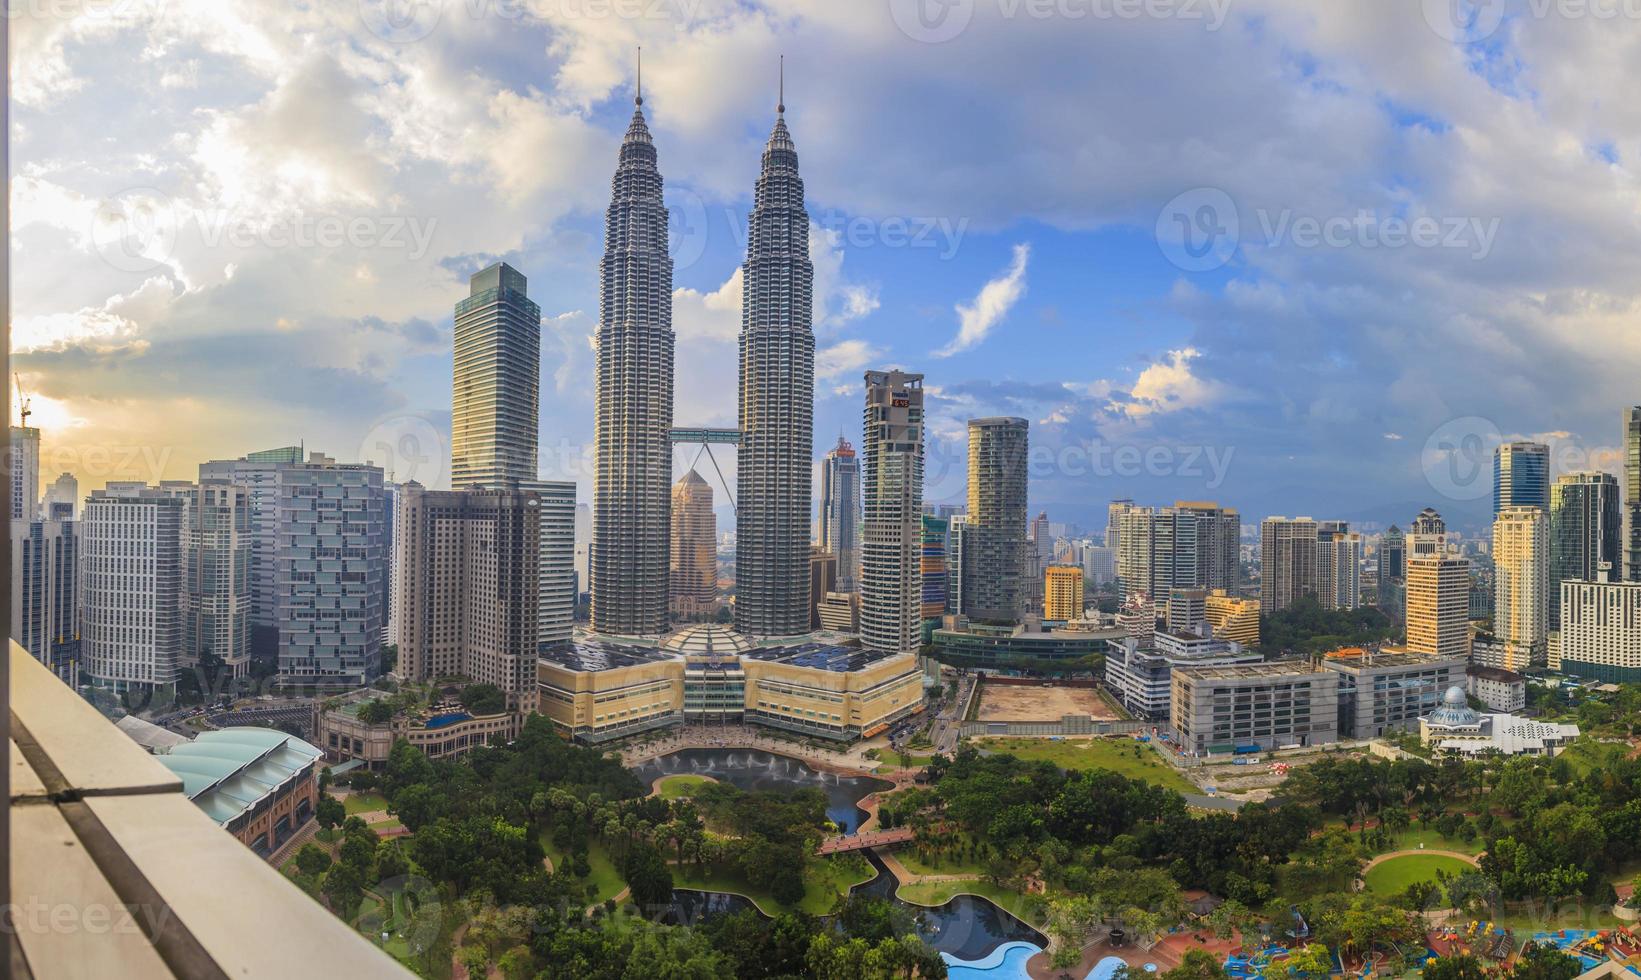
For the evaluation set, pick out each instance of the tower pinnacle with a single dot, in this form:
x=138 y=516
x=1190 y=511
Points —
x=638 y=99
x=780 y=105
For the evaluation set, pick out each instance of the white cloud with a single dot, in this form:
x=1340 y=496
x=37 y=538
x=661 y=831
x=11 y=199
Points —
x=844 y=357
x=1168 y=386
x=990 y=306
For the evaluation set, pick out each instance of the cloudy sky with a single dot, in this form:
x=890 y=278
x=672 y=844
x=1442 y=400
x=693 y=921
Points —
x=1299 y=257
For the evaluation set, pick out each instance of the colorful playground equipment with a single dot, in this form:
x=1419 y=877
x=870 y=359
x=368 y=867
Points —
x=1243 y=966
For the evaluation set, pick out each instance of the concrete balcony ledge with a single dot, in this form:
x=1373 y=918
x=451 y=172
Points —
x=115 y=873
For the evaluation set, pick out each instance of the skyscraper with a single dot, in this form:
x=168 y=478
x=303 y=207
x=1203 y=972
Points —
x=632 y=396
x=1438 y=605
x=65 y=490
x=555 y=606
x=1521 y=569
x=777 y=402
x=217 y=576
x=891 y=587
x=45 y=591
x=25 y=472
x=1287 y=559
x=694 y=572
x=1428 y=535
x=1338 y=566
x=1113 y=522
x=1585 y=533
x=496 y=397
x=958 y=536
x=1063 y=592
x=132 y=591
x=467 y=590
x=1392 y=570
x=994 y=556
x=258 y=472
x=1632 y=494
x=936 y=590
x=1521 y=476
x=840 y=511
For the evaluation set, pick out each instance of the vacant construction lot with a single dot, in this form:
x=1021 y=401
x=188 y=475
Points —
x=1013 y=702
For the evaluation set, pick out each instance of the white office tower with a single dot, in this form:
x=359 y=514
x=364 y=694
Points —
x=891 y=592
x=330 y=572
x=258 y=473
x=25 y=473
x=955 y=552
x=1521 y=598
x=840 y=512
x=1601 y=630
x=45 y=594
x=133 y=587
x=217 y=581
x=555 y=608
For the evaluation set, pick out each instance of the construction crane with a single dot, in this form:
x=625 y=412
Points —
x=22 y=399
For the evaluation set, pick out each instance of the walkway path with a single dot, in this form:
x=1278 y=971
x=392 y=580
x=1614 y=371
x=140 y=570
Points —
x=861 y=841
x=1469 y=859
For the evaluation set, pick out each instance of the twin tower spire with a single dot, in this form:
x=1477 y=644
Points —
x=633 y=396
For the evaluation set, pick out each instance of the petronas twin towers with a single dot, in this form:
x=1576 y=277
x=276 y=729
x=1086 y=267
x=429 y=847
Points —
x=628 y=559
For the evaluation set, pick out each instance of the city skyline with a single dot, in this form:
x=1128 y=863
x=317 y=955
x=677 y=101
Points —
x=1175 y=366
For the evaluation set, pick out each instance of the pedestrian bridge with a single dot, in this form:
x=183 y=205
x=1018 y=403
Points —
x=860 y=842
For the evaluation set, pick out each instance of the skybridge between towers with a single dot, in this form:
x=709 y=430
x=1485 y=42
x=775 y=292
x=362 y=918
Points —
x=706 y=439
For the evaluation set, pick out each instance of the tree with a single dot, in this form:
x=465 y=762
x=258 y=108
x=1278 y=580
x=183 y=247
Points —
x=1545 y=962
x=648 y=876
x=375 y=712
x=475 y=959
x=1312 y=959
x=390 y=861
x=1455 y=968
x=483 y=699
x=330 y=812
x=1197 y=964
x=344 y=887
x=310 y=860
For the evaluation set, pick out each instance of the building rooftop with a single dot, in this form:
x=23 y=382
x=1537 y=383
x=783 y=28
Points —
x=1495 y=674
x=707 y=640
x=149 y=735
x=1355 y=659
x=229 y=771
x=1248 y=671
x=821 y=656
x=97 y=825
x=586 y=653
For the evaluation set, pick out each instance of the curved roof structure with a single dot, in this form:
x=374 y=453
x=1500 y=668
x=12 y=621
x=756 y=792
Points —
x=1455 y=711
x=229 y=771
x=707 y=640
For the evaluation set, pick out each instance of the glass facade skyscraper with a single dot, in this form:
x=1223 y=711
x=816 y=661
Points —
x=840 y=512
x=1521 y=476
x=994 y=557
x=496 y=394
x=1585 y=533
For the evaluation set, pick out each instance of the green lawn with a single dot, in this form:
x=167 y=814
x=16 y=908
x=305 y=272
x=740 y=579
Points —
x=382 y=827
x=1126 y=756
x=933 y=893
x=364 y=803
x=1411 y=838
x=603 y=876
x=825 y=880
x=1393 y=876
x=952 y=862
x=673 y=787
x=1587 y=755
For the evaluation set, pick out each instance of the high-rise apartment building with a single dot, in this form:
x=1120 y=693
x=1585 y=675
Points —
x=330 y=572
x=25 y=473
x=957 y=541
x=994 y=557
x=217 y=576
x=496 y=396
x=1338 y=566
x=840 y=512
x=1232 y=618
x=891 y=585
x=132 y=589
x=632 y=399
x=1521 y=476
x=1521 y=570
x=1287 y=558
x=45 y=591
x=936 y=577
x=1218 y=543
x=1113 y=522
x=777 y=404
x=1392 y=570
x=555 y=606
x=258 y=472
x=1063 y=592
x=1586 y=533
x=467 y=593
x=1632 y=494
x=693 y=577
x=1601 y=631
x=1438 y=605
x=1191 y=545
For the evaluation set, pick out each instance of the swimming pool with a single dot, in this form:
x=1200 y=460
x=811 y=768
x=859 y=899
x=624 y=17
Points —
x=1006 y=962
x=1107 y=968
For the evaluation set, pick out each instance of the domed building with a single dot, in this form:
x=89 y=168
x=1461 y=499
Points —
x=707 y=640
x=1455 y=728
x=1455 y=715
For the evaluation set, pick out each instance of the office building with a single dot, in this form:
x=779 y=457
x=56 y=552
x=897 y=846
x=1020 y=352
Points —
x=1218 y=543
x=555 y=606
x=1039 y=555
x=1099 y=564
x=1187 y=611
x=1389 y=690
x=957 y=537
x=973 y=645
x=258 y=473
x=1586 y=533
x=693 y=581
x=936 y=533
x=132 y=587
x=1501 y=690
x=595 y=690
x=45 y=592
x=1140 y=671
x=1192 y=545
x=63 y=492
x=25 y=473
x=1113 y=522
x=777 y=407
x=632 y=399
x=217 y=577
x=839 y=612
x=330 y=572
x=1521 y=476
x=1288 y=551
x=468 y=593
x=1521 y=570
x=1438 y=605
x=840 y=512
x=994 y=558
x=891 y=583
x=1392 y=570
x=1427 y=536
x=823 y=581
x=1632 y=494
x=1062 y=593
x=495 y=396
x=1253 y=707
x=1601 y=631
x=1232 y=618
